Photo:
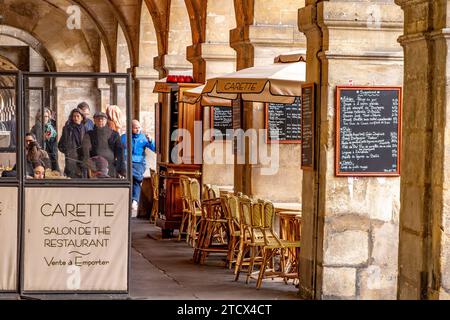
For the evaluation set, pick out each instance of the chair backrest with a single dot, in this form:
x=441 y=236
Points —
x=245 y=211
x=213 y=192
x=268 y=213
x=233 y=205
x=206 y=188
x=155 y=185
x=194 y=190
x=184 y=188
x=257 y=214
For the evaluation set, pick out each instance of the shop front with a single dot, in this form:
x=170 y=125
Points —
x=66 y=195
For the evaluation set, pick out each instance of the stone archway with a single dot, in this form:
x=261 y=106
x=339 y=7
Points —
x=32 y=42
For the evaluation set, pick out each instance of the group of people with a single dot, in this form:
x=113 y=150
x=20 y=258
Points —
x=92 y=149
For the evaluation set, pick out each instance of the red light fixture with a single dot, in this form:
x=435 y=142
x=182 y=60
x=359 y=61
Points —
x=179 y=79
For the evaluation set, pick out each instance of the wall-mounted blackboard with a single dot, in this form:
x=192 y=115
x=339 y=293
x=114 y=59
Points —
x=286 y=120
x=368 y=131
x=308 y=126
x=222 y=120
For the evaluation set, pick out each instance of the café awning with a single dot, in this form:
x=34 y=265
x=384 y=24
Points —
x=277 y=83
x=194 y=96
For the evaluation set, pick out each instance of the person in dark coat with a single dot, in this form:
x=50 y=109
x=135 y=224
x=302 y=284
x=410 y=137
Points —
x=46 y=134
x=33 y=154
x=86 y=110
x=70 y=144
x=102 y=141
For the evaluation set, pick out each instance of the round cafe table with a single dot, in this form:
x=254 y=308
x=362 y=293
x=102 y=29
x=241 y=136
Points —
x=290 y=230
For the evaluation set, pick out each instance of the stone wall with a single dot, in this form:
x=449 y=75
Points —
x=355 y=219
x=424 y=256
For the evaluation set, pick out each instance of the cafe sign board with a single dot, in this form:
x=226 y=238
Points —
x=8 y=238
x=240 y=85
x=368 y=131
x=76 y=239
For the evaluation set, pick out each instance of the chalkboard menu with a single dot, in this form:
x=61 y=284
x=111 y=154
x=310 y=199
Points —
x=308 y=127
x=284 y=119
x=222 y=120
x=368 y=131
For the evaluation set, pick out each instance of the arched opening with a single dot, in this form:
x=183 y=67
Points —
x=180 y=37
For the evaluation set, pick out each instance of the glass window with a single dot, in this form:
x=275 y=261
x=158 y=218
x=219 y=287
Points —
x=8 y=127
x=75 y=127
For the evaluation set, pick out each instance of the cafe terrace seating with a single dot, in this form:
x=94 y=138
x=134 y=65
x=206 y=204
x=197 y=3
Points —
x=241 y=229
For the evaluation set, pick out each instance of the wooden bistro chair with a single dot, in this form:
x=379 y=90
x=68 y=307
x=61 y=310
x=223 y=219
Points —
x=155 y=207
x=213 y=225
x=252 y=236
x=273 y=246
x=230 y=204
x=195 y=208
x=185 y=200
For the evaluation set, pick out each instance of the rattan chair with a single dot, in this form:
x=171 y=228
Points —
x=230 y=204
x=212 y=230
x=195 y=206
x=252 y=236
x=185 y=199
x=274 y=246
x=155 y=207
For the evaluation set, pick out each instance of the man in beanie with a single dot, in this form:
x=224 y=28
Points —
x=98 y=167
x=139 y=142
x=102 y=141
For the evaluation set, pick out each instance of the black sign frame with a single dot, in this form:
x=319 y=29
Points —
x=212 y=114
x=339 y=89
x=311 y=153
x=267 y=127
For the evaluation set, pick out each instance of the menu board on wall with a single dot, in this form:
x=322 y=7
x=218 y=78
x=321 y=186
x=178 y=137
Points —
x=283 y=122
x=368 y=131
x=222 y=120
x=76 y=239
x=308 y=126
x=8 y=238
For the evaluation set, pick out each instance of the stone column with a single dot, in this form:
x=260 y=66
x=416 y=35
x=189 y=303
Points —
x=350 y=225
x=424 y=251
x=268 y=29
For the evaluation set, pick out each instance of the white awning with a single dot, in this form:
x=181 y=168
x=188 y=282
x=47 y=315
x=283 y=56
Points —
x=194 y=96
x=277 y=83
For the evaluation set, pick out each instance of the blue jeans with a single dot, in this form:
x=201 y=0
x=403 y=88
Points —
x=138 y=176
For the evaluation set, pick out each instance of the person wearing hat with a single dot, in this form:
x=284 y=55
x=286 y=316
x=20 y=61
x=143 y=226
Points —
x=102 y=141
x=98 y=167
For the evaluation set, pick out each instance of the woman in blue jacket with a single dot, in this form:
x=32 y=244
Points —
x=139 y=143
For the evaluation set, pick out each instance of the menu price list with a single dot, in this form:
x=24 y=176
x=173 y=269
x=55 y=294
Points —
x=368 y=131
x=284 y=119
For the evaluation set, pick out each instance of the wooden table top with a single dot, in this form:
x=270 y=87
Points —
x=289 y=213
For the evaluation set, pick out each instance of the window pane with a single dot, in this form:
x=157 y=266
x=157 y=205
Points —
x=74 y=128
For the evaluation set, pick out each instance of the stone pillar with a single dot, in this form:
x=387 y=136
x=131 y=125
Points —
x=146 y=76
x=265 y=29
x=219 y=59
x=424 y=251
x=350 y=225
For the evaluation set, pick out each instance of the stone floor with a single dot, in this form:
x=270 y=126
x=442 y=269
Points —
x=162 y=269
